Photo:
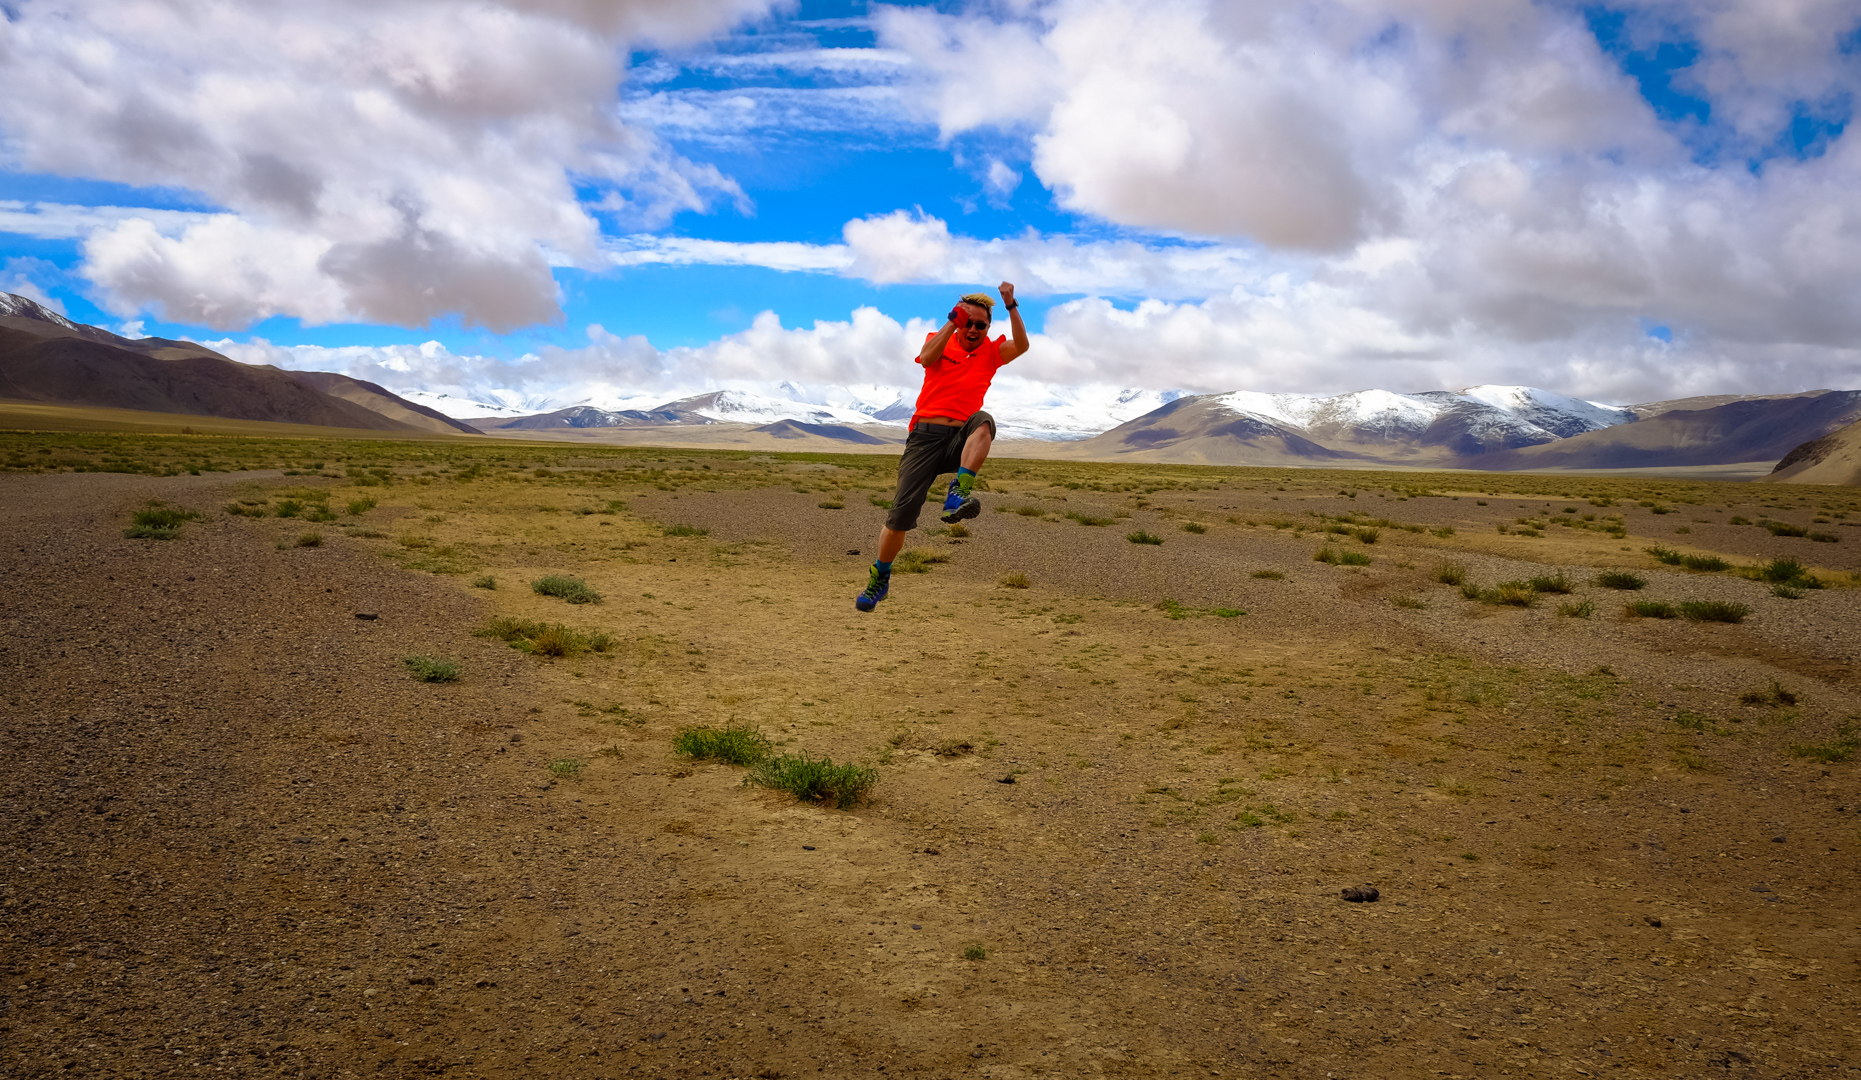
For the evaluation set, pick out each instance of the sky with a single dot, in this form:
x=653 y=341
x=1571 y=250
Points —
x=536 y=203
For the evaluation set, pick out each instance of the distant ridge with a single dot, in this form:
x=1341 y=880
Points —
x=795 y=429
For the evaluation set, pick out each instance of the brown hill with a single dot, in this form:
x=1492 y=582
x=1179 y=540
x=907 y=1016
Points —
x=1751 y=429
x=73 y=370
x=45 y=357
x=1833 y=459
x=1195 y=431
x=381 y=400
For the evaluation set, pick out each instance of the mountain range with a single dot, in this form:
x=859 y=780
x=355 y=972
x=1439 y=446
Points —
x=1812 y=437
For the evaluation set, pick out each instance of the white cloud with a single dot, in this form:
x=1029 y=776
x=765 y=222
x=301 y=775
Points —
x=378 y=160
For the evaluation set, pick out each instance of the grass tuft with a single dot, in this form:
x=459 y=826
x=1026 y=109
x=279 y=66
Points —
x=485 y=582
x=1652 y=609
x=1511 y=594
x=917 y=561
x=1016 y=580
x=432 y=668
x=566 y=768
x=1581 y=609
x=734 y=744
x=1408 y=602
x=1773 y=695
x=1269 y=575
x=1083 y=519
x=1553 y=583
x=975 y=952
x=1621 y=579
x=816 y=780
x=543 y=639
x=574 y=590
x=1707 y=564
x=158 y=523
x=1843 y=747
x=1726 y=611
x=1194 y=527
x=358 y=507
x=1142 y=537
x=1451 y=573
x=310 y=539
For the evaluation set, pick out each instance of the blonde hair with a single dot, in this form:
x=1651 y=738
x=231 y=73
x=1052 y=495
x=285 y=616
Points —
x=981 y=300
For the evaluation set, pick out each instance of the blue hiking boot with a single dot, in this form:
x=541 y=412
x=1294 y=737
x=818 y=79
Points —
x=877 y=585
x=958 y=506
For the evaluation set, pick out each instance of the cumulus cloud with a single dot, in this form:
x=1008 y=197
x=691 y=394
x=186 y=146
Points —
x=379 y=160
x=1444 y=189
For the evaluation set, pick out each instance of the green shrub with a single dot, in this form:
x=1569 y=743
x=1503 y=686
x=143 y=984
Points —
x=1553 y=583
x=1664 y=555
x=1325 y=555
x=1366 y=535
x=1709 y=564
x=1652 y=609
x=538 y=638
x=734 y=744
x=1581 y=609
x=975 y=952
x=310 y=539
x=1194 y=527
x=574 y=590
x=1621 y=579
x=1444 y=532
x=1784 y=528
x=1269 y=575
x=1353 y=558
x=1714 y=611
x=158 y=523
x=1825 y=538
x=1783 y=571
x=1451 y=573
x=566 y=768
x=813 y=779
x=432 y=668
x=1737 y=520
x=485 y=582
x=1142 y=537
x=1016 y=580
x=358 y=507
x=1469 y=591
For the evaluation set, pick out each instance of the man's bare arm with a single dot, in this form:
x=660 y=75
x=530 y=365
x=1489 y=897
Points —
x=1018 y=344
x=933 y=348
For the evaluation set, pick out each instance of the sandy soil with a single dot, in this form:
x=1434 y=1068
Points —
x=240 y=840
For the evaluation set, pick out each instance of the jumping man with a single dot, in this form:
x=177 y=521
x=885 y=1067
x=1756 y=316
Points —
x=949 y=430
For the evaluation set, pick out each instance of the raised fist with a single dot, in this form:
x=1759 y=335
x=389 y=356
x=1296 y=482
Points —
x=959 y=316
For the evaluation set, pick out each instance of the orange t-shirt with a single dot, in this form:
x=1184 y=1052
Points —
x=955 y=383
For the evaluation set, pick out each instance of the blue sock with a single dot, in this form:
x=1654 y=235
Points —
x=884 y=568
x=965 y=480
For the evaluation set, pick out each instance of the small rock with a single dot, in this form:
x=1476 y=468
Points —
x=1652 y=921
x=1364 y=894
x=807 y=847
x=932 y=851
x=852 y=551
x=516 y=736
x=1777 y=840
x=1006 y=780
x=368 y=616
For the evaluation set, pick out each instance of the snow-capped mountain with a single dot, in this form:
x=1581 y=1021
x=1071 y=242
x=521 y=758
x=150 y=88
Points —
x=743 y=407
x=1430 y=428
x=1477 y=418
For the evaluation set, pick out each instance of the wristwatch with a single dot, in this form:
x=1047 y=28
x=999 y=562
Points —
x=1015 y=304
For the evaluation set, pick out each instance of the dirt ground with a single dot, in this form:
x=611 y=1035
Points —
x=239 y=839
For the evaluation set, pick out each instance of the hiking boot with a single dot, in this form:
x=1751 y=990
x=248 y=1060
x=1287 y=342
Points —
x=962 y=509
x=877 y=585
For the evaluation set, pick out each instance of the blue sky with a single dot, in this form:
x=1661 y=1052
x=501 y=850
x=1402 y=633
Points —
x=1622 y=202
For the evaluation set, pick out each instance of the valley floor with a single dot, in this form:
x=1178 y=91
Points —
x=1114 y=813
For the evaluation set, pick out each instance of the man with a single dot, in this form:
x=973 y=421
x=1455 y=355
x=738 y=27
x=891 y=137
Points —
x=949 y=430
